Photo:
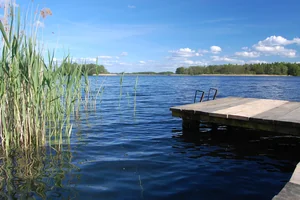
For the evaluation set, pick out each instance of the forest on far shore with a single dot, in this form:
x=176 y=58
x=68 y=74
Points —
x=276 y=68
x=89 y=69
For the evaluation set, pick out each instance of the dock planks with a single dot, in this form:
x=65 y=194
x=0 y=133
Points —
x=291 y=190
x=261 y=114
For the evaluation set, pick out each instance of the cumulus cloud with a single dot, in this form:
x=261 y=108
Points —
x=142 y=62
x=124 y=54
x=215 y=49
x=276 y=50
x=184 y=53
x=131 y=6
x=274 y=45
x=227 y=60
x=248 y=54
x=278 y=41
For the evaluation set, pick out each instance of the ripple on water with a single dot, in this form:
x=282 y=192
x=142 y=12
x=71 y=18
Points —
x=117 y=152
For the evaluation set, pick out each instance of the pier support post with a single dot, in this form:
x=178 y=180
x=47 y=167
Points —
x=190 y=125
x=214 y=127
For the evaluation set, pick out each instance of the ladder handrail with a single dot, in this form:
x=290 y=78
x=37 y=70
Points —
x=202 y=96
x=216 y=92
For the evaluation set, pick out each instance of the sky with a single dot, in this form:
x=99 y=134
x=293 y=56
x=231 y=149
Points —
x=162 y=35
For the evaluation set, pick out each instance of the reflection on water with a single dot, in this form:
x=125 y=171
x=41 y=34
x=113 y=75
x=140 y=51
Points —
x=244 y=144
x=40 y=173
x=117 y=152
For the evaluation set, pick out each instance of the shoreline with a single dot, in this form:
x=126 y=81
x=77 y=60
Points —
x=229 y=75
x=129 y=74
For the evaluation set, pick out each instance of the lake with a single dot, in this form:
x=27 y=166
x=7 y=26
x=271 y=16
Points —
x=124 y=148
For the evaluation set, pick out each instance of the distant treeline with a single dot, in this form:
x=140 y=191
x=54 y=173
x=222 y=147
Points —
x=154 y=73
x=277 y=68
x=90 y=69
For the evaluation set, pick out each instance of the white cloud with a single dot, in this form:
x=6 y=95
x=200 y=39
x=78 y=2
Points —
x=215 y=49
x=142 y=62
x=274 y=45
x=248 y=54
x=124 y=54
x=105 y=57
x=184 y=53
x=131 y=6
x=191 y=62
x=278 y=41
x=245 y=48
x=227 y=60
x=117 y=57
x=256 y=61
x=276 y=50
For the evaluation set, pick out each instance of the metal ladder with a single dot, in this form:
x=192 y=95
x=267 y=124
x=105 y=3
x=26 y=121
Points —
x=210 y=92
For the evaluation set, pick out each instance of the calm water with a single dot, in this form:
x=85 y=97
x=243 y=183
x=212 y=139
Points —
x=118 y=153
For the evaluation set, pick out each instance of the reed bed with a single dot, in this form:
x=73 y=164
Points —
x=37 y=97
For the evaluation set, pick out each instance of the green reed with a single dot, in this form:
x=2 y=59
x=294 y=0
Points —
x=121 y=87
x=37 y=97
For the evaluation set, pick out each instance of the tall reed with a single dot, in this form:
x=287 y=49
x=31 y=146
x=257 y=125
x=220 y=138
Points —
x=121 y=87
x=37 y=97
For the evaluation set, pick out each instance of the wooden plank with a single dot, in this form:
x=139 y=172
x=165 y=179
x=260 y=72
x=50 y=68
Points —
x=296 y=175
x=290 y=191
x=205 y=104
x=293 y=117
x=210 y=106
x=247 y=110
x=260 y=114
x=277 y=112
x=224 y=105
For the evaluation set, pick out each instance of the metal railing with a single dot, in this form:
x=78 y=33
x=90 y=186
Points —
x=211 y=91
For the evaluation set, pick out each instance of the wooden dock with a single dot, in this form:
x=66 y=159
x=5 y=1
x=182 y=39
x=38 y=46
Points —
x=259 y=114
x=291 y=190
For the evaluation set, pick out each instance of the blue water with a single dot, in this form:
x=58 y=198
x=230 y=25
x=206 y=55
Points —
x=119 y=152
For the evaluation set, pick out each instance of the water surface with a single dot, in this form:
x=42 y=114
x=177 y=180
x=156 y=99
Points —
x=119 y=152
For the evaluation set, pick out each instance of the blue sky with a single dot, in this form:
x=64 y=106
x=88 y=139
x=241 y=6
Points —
x=161 y=35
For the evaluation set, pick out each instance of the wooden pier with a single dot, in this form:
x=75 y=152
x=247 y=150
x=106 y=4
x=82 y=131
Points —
x=291 y=190
x=259 y=114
